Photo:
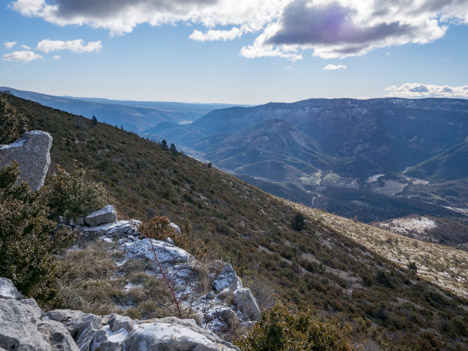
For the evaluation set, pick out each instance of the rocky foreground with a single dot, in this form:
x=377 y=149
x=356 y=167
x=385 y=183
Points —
x=24 y=326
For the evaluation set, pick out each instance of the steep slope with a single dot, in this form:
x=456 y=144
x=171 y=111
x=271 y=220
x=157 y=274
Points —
x=451 y=164
x=317 y=267
x=273 y=140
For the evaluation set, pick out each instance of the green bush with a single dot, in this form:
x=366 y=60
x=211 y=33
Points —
x=28 y=239
x=280 y=330
x=71 y=195
x=13 y=124
x=298 y=222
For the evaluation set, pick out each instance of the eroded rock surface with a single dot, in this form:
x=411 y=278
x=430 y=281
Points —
x=32 y=152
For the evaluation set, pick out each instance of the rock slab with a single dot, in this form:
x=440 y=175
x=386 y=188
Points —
x=32 y=152
x=102 y=216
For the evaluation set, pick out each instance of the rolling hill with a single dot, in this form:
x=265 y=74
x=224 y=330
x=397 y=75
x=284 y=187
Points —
x=321 y=267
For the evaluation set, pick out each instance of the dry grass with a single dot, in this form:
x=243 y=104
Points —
x=442 y=265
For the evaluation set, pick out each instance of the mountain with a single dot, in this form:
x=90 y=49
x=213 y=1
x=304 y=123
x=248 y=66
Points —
x=274 y=150
x=451 y=164
x=356 y=164
x=135 y=116
x=321 y=267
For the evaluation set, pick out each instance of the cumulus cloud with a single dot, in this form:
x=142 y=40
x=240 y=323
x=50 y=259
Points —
x=21 y=56
x=213 y=35
x=56 y=57
x=418 y=90
x=25 y=47
x=331 y=67
x=76 y=46
x=9 y=44
x=285 y=28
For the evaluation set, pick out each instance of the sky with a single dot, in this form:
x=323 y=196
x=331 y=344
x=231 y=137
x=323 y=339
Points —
x=235 y=51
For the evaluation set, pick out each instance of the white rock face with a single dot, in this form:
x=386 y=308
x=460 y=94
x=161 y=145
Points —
x=166 y=252
x=115 y=332
x=32 y=152
x=102 y=216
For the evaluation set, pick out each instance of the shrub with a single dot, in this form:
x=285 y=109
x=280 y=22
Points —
x=298 y=222
x=280 y=330
x=13 y=124
x=28 y=239
x=71 y=195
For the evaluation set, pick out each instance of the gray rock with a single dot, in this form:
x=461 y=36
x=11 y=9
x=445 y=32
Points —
x=8 y=290
x=227 y=279
x=32 y=152
x=115 y=333
x=57 y=336
x=102 y=216
x=22 y=327
x=117 y=229
x=247 y=304
x=175 y=227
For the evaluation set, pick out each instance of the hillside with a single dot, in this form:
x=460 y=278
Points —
x=318 y=267
x=135 y=116
x=451 y=164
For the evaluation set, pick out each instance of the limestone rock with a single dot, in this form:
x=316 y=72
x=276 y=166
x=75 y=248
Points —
x=227 y=279
x=115 y=333
x=175 y=227
x=32 y=152
x=116 y=229
x=247 y=304
x=22 y=326
x=167 y=253
x=102 y=216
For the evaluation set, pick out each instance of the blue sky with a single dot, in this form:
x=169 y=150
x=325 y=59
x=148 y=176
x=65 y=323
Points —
x=245 y=52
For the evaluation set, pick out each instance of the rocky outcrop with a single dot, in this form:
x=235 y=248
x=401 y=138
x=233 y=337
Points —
x=103 y=216
x=32 y=152
x=212 y=291
x=116 y=332
x=25 y=327
x=22 y=326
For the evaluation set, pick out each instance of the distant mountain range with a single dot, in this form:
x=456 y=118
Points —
x=372 y=159
x=343 y=154
x=135 y=116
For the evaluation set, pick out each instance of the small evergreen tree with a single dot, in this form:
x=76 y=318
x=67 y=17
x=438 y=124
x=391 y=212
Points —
x=94 y=120
x=413 y=267
x=298 y=222
x=164 y=144
x=173 y=149
x=28 y=239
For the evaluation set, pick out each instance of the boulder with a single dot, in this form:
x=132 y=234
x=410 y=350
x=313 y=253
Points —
x=22 y=326
x=247 y=304
x=175 y=227
x=32 y=152
x=167 y=253
x=117 y=229
x=102 y=216
x=227 y=279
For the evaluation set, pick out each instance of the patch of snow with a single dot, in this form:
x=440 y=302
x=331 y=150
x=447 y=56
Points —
x=407 y=225
x=374 y=178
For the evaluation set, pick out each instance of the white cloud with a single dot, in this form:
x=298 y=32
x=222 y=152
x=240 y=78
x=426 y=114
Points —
x=331 y=67
x=76 y=46
x=285 y=28
x=9 y=44
x=418 y=90
x=56 y=57
x=213 y=34
x=25 y=47
x=21 y=56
